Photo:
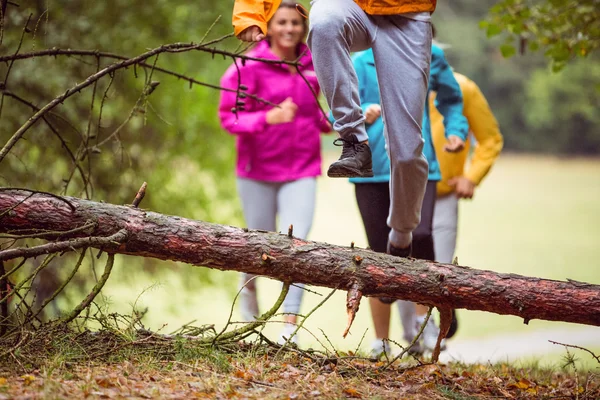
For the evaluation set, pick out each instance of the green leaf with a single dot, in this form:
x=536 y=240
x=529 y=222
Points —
x=493 y=30
x=507 y=50
x=557 y=66
x=533 y=45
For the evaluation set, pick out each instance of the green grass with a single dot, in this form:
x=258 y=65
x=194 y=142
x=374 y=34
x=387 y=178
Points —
x=534 y=216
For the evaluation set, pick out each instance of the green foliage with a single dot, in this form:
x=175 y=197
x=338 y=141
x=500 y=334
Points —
x=564 y=102
x=565 y=29
x=508 y=83
x=171 y=139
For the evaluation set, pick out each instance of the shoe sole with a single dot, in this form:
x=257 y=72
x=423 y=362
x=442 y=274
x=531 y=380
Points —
x=344 y=172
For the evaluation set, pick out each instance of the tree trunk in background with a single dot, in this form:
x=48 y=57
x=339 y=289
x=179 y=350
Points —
x=290 y=259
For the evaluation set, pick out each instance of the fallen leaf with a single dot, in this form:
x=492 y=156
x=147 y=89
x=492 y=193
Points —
x=103 y=381
x=28 y=379
x=522 y=384
x=244 y=375
x=352 y=393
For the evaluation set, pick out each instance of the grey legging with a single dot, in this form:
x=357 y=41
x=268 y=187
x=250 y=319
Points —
x=293 y=202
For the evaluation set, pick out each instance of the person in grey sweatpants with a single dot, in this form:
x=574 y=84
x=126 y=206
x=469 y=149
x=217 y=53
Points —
x=402 y=50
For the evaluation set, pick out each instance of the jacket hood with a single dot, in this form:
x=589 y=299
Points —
x=263 y=50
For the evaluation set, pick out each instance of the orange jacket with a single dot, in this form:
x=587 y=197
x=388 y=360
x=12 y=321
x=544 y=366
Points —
x=258 y=12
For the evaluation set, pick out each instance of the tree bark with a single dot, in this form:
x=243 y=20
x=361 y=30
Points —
x=289 y=259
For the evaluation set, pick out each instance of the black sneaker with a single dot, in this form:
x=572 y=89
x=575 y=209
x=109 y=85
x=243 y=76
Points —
x=354 y=162
x=398 y=252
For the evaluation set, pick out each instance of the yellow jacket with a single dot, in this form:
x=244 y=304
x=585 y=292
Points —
x=258 y=12
x=482 y=125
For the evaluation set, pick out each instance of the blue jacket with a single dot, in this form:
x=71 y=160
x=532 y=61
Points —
x=448 y=102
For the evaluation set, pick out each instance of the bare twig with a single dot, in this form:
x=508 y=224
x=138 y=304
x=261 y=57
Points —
x=312 y=90
x=223 y=337
x=412 y=343
x=47 y=234
x=61 y=288
x=210 y=29
x=301 y=324
x=352 y=302
x=95 y=290
x=3 y=4
x=143 y=96
x=48 y=248
x=94 y=53
x=577 y=347
x=33 y=193
x=3 y=294
x=52 y=128
x=24 y=336
x=8 y=210
x=25 y=30
x=43 y=265
x=9 y=273
x=140 y=195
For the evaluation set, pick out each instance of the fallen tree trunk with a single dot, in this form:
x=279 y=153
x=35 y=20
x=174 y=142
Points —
x=289 y=259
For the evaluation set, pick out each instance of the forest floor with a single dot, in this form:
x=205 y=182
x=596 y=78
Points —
x=60 y=364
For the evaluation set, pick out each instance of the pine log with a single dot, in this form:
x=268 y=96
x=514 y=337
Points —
x=290 y=259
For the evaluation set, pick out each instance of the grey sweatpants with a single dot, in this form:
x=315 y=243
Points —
x=402 y=51
x=294 y=203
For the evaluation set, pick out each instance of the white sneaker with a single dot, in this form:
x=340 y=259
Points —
x=430 y=335
x=380 y=348
x=286 y=333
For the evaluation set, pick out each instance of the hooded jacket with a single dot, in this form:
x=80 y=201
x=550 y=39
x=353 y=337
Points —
x=258 y=12
x=282 y=152
x=485 y=130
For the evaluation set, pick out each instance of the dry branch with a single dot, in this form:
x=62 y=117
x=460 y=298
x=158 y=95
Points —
x=288 y=259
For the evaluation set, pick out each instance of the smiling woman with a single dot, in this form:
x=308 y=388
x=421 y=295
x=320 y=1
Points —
x=286 y=31
x=278 y=140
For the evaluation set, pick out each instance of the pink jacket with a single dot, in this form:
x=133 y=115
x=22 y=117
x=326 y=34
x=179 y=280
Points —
x=275 y=153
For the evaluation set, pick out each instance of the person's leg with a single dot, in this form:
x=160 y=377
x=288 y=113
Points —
x=408 y=318
x=445 y=227
x=422 y=248
x=411 y=314
x=296 y=207
x=402 y=51
x=259 y=206
x=338 y=27
x=373 y=201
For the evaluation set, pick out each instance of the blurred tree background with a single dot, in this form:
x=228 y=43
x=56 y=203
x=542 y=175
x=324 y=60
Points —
x=173 y=140
x=547 y=92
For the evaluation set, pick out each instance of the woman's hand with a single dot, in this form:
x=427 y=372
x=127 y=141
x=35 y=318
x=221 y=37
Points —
x=286 y=112
x=372 y=113
x=251 y=34
x=454 y=144
x=463 y=187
